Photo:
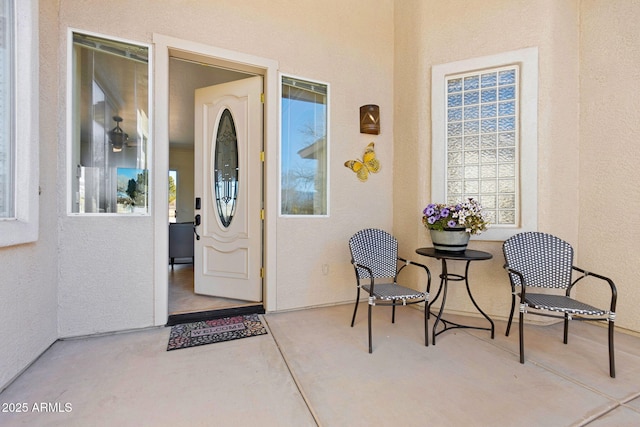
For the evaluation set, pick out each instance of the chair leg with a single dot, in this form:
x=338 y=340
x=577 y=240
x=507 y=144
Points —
x=612 y=362
x=355 y=310
x=566 y=328
x=513 y=305
x=426 y=324
x=369 y=322
x=521 y=326
x=393 y=312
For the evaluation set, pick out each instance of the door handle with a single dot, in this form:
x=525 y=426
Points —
x=195 y=225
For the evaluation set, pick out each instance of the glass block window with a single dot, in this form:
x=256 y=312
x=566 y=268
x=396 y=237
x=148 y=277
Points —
x=482 y=134
x=484 y=115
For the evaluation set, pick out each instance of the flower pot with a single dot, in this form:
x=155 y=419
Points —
x=450 y=240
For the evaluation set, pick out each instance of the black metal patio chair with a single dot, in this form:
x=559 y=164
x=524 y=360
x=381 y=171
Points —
x=374 y=255
x=537 y=260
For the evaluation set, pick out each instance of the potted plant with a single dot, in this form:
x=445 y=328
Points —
x=451 y=226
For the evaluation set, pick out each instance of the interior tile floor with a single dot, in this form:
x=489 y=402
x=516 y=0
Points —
x=183 y=299
x=313 y=369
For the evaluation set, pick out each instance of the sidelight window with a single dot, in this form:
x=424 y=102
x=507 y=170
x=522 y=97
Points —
x=109 y=164
x=304 y=147
x=19 y=131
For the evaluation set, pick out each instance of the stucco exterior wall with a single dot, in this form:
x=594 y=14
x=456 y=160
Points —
x=28 y=277
x=609 y=149
x=435 y=32
x=106 y=273
x=588 y=73
x=353 y=48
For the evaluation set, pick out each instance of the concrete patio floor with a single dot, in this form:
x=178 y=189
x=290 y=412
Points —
x=313 y=369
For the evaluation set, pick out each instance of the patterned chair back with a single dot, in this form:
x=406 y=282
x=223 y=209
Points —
x=376 y=249
x=544 y=260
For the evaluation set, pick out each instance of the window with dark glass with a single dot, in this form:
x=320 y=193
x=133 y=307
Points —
x=226 y=168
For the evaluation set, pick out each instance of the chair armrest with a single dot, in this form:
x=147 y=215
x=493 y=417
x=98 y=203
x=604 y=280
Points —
x=356 y=266
x=417 y=264
x=522 y=284
x=514 y=271
x=585 y=273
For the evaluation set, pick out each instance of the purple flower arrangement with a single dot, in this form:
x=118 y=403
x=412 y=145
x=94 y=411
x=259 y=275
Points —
x=467 y=215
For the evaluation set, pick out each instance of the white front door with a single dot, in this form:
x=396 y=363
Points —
x=228 y=190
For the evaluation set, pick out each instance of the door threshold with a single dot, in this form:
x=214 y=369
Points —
x=177 y=319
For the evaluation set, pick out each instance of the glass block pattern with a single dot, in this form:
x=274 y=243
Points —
x=482 y=141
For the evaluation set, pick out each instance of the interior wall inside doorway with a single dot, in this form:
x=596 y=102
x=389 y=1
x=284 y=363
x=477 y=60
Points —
x=184 y=78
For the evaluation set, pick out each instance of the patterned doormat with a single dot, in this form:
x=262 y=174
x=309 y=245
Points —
x=212 y=331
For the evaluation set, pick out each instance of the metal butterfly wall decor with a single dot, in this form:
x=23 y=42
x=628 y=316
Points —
x=368 y=164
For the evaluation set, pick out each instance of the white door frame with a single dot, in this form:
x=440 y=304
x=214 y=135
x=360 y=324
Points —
x=166 y=47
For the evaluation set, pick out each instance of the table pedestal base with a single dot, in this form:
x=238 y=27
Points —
x=445 y=277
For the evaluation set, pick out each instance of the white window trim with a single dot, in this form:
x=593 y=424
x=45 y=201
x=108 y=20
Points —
x=527 y=59
x=280 y=214
x=23 y=227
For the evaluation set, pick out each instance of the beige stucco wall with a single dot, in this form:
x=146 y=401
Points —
x=588 y=74
x=28 y=277
x=351 y=48
x=435 y=32
x=340 y=43
x=609 y=149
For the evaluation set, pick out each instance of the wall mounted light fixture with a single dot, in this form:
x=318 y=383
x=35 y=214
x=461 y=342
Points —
x=117 y=137
x=370 y=119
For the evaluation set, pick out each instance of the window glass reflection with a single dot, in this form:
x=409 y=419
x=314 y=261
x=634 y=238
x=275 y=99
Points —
x=110 y=127
x=304 y=174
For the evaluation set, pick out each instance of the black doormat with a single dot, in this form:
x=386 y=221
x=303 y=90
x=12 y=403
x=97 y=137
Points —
x=213 y=331
x=176 y=319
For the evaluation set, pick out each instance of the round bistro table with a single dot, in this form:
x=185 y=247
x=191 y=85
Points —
x=468 y=256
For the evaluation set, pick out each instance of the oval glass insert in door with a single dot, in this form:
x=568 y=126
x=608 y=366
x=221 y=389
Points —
x=225 y=168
